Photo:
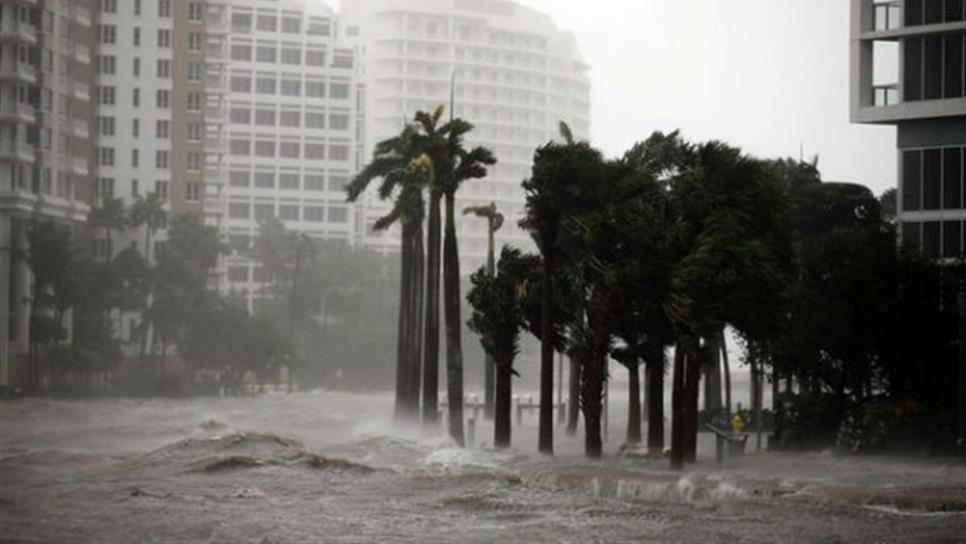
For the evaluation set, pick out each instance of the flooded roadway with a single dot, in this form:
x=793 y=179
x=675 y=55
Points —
x=324 y=466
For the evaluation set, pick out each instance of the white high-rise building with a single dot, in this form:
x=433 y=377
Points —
x=294 y=132
x=516 y=77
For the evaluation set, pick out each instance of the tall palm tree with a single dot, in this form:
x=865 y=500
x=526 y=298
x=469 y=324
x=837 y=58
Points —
x=149 y=212
x=467 y=165
x=494 y=220
x=110 y=216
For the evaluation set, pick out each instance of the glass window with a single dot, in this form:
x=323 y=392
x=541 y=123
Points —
x=265 y=85
x=238 y=274
x=239 y=178
x=241 y=23
x=314 y=57
x=240 y=147
x=241 y=116
x=952 y=238
x=339 y=90
x=265 y=180
x=931 y=239
x=288 y=150
x=289 y=119
x=264 y=148
x=265 y=53
x=315 y=89
x=932 y=11
x=241 y=52
x=911 y=234
x=241 y=84
x=952 y=178
x=339 y=121
x=913 y=12
x=314 y=120
x=314 y=151
x=932 y=68
x=291 y=56
x=953 y=59
x=338 y=182
x=911 y=180
x=954 y=10
x=265 y=117
x=314 y=182
x=291 y=25
x=912 y=76
x=267 y=23
x=338 y=214
x=315 y=214
x=931 y=179
x=291 y=87
x=239 y=210
x=339 y=152
x=288 y=181
x=264 y=211
x=288 y=212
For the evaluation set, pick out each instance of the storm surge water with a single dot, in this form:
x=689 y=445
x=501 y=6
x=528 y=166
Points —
x=324 y=466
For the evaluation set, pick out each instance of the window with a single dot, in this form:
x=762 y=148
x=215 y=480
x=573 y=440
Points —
x=288 y=181
x=161 y=189
x=267 y=23
x=314 y=120
x=134 y=188
x=136 y=97
x=194 y=11
x=953 y=178
x=194 y=101
x=164 y=38
x=314 y=151
x=108 y=64
x=931 y=239
x=108 y=34
x=289 y=118
x=339 y=121
x=265 y=86
x=194 y=41
x=339 y=90
x=288 y=150
x=314 y=57
x=238 y=274
x=194 y=71
x=911 y=180
x=239 y=210
x=338 y=182
x=339 y=152
x=288 y=212
x=192 y=191
x=194 y=161
x=163 y=99
x=161 y=159
x=291 y=56
x=109 y=6
x=136 y=128
x=240 y=147
x=314 y=214
x=104 y=187
x=241 y=116
x=241 y=52
x=931 y=179
x=342 y=59
x=105 y=126
x=106 y=94
x=162 y=129
x=135 y=158
x=338 y=214
x=105 y=156
x=315 y=89
x=265 y=180
x=241 y=84
x=264 y=211
x=164 y=8
x=264 y=148
x=314 y=182
x=912 y=69
x=319 y=27
x=194 y=131
x=291 y=25
x=932 y=67
x=291 y=87
x=137 y=66
x=953 y=64
x=241 y=23
x=238 y=178
x=137 y=36
x=164 y=68
x=265 y=53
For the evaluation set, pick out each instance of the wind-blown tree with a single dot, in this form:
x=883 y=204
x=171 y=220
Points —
x=148 y=212
x=404 y=168
x=498 y=316
x=112 y=217
x=555 y=184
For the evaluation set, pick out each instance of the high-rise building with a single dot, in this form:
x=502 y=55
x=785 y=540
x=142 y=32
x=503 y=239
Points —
x=908 y=62
x=45 y=145
x=293 y=131
x=513 y=73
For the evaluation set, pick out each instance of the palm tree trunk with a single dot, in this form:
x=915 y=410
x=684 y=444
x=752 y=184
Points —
x=504 y=384
x=545 y=432
x=573 y=402
x=655 y=398
x=451 y=307
x=416 y=344
x=634 y=404
x=677 y=409
x=402 y=335
x=693 y=368
x=488 y=362
x=594 y=374
x=431 y=337
x=726 y=371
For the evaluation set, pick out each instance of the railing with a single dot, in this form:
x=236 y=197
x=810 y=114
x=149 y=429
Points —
x=82 y=91
x=217 y=25
x=17 y=150
x=885 y=95
x=216 y=84
x=82 y=53
x=80 y=166
x=22 y=110
x=22 y=31
x=216 y=114
x=81 y=128
x=20 y=70
x=887 y=15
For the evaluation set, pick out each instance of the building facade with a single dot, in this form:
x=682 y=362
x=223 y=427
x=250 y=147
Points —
x=293 y=133
x=908 y=62
x=514 y=75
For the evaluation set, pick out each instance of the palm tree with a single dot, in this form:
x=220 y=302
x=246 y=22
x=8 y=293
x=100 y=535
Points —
x=404 y=169
x=110 y=216
x=494 y=221
x=549 y=192
x=148 y=211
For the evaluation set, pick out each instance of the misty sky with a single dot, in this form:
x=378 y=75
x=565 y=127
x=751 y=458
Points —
x=766 y=75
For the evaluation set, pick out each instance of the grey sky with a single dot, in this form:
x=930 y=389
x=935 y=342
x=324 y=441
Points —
x=767 y=75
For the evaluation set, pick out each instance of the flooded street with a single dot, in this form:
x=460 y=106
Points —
x=324 y=466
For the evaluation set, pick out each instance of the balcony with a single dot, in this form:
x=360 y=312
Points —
x=81 y=129
x=217 y=25
x=17 y=152
x=216 y=115
x=216 y=85
x=82 y=15
x=20 y=71
x=216 y=54
x=18 y=112
x=82 y=91
x=80 y=166
x=18 y=31
x=887 y=15
x=214 y=177
x=82 y=53
x=216 y=146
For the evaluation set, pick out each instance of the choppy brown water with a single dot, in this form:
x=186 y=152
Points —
x=329 y=467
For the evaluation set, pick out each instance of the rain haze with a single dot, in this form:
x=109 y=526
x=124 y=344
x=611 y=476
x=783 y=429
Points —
x=283 y=271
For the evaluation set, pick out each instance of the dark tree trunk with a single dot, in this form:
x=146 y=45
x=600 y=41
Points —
x=634 y=404
x=655 y=398
x=488 y=363
x=546 y=359
x=416 y=326
x=431 y=337
x=451 y=307
x=692 y=376
x=504 y=385
x=594 y=373
x=402 y=338
x=726 y=370
x=573 y=403
x=677 y=408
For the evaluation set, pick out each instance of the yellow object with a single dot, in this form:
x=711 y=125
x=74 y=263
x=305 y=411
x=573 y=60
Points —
x=737 y=424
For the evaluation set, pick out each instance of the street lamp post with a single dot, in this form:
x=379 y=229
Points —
x=494 y=222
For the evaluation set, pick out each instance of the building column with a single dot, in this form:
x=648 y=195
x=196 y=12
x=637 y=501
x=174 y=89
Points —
x=5 y=261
